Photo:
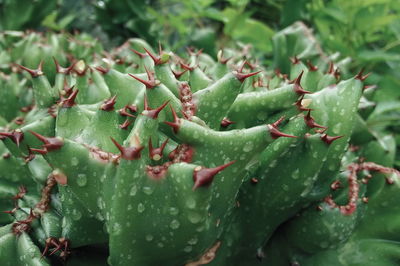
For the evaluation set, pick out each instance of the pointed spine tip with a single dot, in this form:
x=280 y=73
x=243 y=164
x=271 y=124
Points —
x=141 y=55
x=175 y=125
x=49 y=143
x=156 y=59
x=329 y=139
x=297 y=86
x=33 y=72
x=153 y=113
x=242 y=76
x=102 y=70
x=360 y=75
x=274 y=131
x=187 y=67
x=310 y=122
x=311 y=67
x=128 y=153
x=179 y=74
x=150 y=83
x=70 y=101
x=126 y=124
x=108 y=105
x=156 y=153
x=15 y=136
x=203 y=177
x=226 y=122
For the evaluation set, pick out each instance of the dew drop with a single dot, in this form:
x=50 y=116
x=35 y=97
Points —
x=248 y=146
x=296 y=174
x=173 y=211
x=190 y=203
x=76 y=215
x=174 y=224
x=81 y=180
x=140 y=208
x=133 y=191
x=148 y=190
x=194 y=217
x=188 y=249
x=149 y=238
x=74 y=161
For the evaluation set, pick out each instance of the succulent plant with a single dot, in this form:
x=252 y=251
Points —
x=153 y=159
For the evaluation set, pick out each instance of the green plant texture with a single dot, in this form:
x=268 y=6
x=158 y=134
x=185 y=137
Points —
x=198 y=159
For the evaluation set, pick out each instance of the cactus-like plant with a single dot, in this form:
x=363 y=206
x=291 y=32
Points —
x=165 y=160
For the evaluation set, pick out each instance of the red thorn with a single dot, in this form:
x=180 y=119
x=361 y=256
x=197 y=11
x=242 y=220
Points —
x=297 y=87
x=156 y=59
x=130 y=153
x=40 y=151
x=123 y=112
x=331 y=69
x=51 y=241
x=246 y=63
x=179 y=74
x=157 y=153
x=278 y=122
x=274 y=131
x=240 y=69
x=204 y=176
x=102 y=70
x=187 y=67
x=126 y=124
x=224 y=60
x=34 y=72
x=241 y=76
x=16 y=136
x=336 y=185
x=337 y=74
x=120 y=61
x=62 y=70
x=329 y=139
x=250 y=65
x=294 y=60
x=70 y=101
x=50 y=143
x=191 y=52
x=132 y=108
x=310 y=122
x=151 y=83
x=108 y=105
x=311 y=67
x=226 y=122
x=141 y=55
x=30 y=155
x=360 y=75
x=153 y=113
x=369 y=87
x=176 y=123
x=68 y=90
x=59 y=69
